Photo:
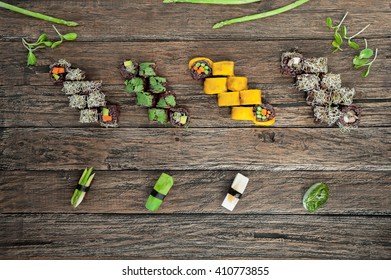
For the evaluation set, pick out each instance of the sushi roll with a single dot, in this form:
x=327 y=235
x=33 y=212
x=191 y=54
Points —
x=78 y=101
x=81 y=87
x=343 y=96
x=242 y=113
x=75 y=74
x=146 y=99
x=327 y=114
x=330 y=81
x=318 y=97
x=265 y=115
x=200 y=68
x=235 y=83
x=235 y=192
x=135 y=85
x=109 y=115
x=96 y=99
x=215 y=85
x=179 y=117
x=147 y=69
x=223 y=68
x=166 y=100
x=159 y=192
x=89 y=116
x=292 y=63
x=250 y=97
x=129 y=69
x=59 y=70
x=230 y=98
x=315 y=65
x=307 y=82
x=350 y=117
x=158 y=115
x=157 y=84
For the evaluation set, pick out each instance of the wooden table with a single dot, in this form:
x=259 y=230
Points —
x=44 y=148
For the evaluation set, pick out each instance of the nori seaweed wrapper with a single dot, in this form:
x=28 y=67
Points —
x=315 y=65
x=199 y=75
x=307 y=82
x=129 y=69
x=114 y=112
x=179 y=117
x=147 y=69
x=158 y=115
x=350 y=116
x=146 y=99
x=135 y=84
x=157 y=84
x=260 y=117
x=292 y=63
x=58 y=79
x=166 y=100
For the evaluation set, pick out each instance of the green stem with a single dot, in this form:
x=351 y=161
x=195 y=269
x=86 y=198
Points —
x=361 y=31
x=217 y=2
x=37 y=15
x=261 y=15
x=340 y=23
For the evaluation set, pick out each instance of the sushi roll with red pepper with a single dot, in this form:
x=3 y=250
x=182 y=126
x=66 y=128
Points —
x=179 y=117
x=200 y=68
x=59 y=70
x=265 y=115
x=108 y=116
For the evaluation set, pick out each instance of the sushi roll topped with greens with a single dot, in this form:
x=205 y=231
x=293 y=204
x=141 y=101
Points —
x=129 y=69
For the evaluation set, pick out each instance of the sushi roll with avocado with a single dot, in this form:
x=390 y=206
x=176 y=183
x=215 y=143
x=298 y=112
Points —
x=59 y=70
x=129 y=69
x=200 y=68
x=179 y=117
x=109 y=115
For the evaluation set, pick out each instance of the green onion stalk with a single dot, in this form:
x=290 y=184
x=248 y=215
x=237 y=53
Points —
x=261 y=15
x=216 y=2
x=84 y=181
x=37 y=15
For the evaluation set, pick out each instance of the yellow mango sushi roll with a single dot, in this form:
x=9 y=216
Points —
x=215 y=85
x=235 y=83
x=250 y=97
x=242 y=113
x=223 y=68
x=228 y=99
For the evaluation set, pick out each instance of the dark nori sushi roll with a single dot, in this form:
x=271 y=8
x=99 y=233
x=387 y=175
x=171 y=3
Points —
x=147 y=69
x=146 y=99
x=157 y=84
x=135 y=85
x=58 y=71
x=200 y=68
x=109 y=115
x=129 y=69
x=292 y=63
x=350 y=116
x=179 y=117
x=166 y=100
x=159 y=115
x=264 y=112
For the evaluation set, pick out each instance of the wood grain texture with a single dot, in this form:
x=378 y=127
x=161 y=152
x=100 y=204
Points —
x=194 y=237
x=197 y=192
x=199 y=149
x=152 y=20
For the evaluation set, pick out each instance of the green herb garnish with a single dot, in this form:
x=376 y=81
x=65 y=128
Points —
x=362 y=60
x=156 y=84
x=147 y=69
x=134 y=85
x=36 y=15
x=315 y=197
x=84 y=181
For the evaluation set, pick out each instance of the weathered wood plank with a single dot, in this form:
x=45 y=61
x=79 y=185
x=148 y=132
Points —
x=204 y=149
x=258 y=60
x=268 y=192
x=153 y=20
x=47 y=107
x=194 y=237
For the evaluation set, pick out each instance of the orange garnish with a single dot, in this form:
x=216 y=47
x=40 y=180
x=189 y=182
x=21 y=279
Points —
x=263 y=112
x=107 y=118
x=195 y=68
x=202 y=69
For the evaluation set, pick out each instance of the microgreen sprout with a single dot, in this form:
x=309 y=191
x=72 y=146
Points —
x=42 y=42
x=338 y=37
x=362 y=60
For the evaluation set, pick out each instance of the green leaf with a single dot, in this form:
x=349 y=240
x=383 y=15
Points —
x=335 y=44
x=48 y=43
x=31 y=59
x=329 y=22
x=358 y=62
x=344 y=31
x=70 y=36
x=42 y=38
x=55 y=44
x=315 y=197
x=353 y=45
x=338 y=38
x=366 y=53
x=365 y=73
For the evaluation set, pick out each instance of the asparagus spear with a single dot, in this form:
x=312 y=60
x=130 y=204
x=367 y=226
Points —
x=84 y=181
x=217 y=2
x=36 y=15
